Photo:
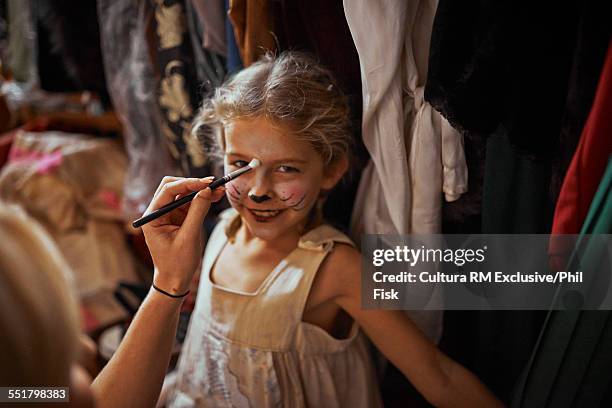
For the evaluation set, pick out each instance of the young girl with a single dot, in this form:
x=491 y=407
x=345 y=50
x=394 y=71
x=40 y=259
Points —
x=278 y=317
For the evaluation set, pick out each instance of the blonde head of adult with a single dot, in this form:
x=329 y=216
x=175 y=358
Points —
x=38 y=311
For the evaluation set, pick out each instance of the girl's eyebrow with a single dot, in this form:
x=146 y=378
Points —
x=285 y=160
x=290 y=160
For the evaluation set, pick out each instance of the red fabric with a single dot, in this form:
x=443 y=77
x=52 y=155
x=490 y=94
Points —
x=589 y=161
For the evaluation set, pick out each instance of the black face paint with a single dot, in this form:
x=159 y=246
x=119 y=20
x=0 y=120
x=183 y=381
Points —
x=258 y=199
x=300 y=204
x=236 y=194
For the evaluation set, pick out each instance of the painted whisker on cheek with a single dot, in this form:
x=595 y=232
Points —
x=233 y=192
x=232 y=189
x=233 y=196
x=300 y=204
x=286 y=199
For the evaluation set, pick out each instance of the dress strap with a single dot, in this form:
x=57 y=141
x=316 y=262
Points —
x=303 y=263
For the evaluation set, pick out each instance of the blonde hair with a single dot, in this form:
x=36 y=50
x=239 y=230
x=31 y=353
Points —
x=292 y=91
x=38 y=311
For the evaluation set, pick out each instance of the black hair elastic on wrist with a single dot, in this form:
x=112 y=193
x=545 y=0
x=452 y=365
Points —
x=170 y=294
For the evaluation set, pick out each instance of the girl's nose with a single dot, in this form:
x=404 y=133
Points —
x=261 y=189
x=258 y=198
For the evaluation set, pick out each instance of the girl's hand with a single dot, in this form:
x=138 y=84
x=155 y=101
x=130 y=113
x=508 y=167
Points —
x=176 y=240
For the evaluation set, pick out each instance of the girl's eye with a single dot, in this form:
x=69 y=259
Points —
x=239 y=163
x=288 y=169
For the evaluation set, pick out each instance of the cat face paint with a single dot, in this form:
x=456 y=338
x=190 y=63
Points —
x=295 y=200
x=289 y=178
x=233 y=193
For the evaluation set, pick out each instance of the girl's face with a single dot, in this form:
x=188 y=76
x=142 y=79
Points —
x=274 y=199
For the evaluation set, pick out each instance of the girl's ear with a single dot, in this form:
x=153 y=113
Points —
x=333 y=172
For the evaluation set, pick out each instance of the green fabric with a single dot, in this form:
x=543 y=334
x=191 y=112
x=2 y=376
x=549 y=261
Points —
x=515 y=196
x=515 y=200
x=571 y=365
x=599 y=218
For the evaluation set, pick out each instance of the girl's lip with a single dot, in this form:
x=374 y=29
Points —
x=256 y=209
x=261 y=218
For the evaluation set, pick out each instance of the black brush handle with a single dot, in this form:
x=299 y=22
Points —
x=184 y=200
x=164 y=210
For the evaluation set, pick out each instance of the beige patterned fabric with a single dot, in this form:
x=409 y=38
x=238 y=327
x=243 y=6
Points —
x=254 y=350
x=72 y=184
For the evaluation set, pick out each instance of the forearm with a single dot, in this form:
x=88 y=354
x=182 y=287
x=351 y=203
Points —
x=134 y=375
x=462 y=388
x=442 y=381
x=446 y=383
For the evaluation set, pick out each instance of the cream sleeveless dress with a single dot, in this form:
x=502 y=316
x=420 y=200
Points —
x=254 y=350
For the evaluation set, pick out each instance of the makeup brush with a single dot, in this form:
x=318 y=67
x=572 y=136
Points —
x=184 y=200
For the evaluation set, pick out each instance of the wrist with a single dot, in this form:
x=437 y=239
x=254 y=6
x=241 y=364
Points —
x=154 y=297
x=170 y=295
x=171 y=285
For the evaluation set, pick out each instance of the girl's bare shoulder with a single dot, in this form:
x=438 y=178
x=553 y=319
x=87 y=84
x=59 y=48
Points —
x=340 y=273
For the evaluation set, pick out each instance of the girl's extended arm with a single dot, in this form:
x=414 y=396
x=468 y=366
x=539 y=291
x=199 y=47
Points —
x=442 y=381
x=134 y=375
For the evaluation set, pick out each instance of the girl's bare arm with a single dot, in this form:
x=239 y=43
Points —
x=441 y=380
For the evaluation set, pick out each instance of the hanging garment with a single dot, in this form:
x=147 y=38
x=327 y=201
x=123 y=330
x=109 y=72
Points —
x=592 y=38
x=585 y=170
x=209 y=64
x=471 y=66
x=589 y=161
x=72 y=184
x=211 y=14
x=68 y=54
x=254 y=350
x=464 y=216
x=515 y=199
x=21 y=48
x=416 y=155
x=499 y=70
x=125 y=32
x=571 y=365
x=234 y=63
x=503 y=66
x=253 y=28
x=177 y=85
